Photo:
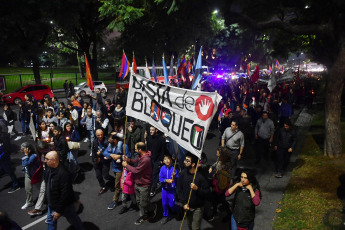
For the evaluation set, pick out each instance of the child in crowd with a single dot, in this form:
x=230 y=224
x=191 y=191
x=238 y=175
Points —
x=127 y=186
x=168 y=177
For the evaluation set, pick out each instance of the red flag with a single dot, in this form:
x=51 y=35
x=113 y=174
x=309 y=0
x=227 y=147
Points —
x=248 y=70
x=270 y=69
x=255 y=75
x=134 y=65
x=298 y=73
x=89 y=81
x=124 y=66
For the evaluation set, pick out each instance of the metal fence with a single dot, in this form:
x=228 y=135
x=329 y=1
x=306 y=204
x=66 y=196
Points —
x=53 y=80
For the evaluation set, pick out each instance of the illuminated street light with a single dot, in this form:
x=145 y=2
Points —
x=215 y=12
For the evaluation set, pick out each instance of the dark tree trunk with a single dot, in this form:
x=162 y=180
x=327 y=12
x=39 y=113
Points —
x=334 y=88
x=79 y=66
x=36 y=70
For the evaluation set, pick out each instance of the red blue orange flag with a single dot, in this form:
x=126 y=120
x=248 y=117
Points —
x=89 y=81
x=124 y=66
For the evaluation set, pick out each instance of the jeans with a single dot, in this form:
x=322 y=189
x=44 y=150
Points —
x=70 y=214
x=194 y=218
x=25 y=126
x=5 y=167
x=91 y=136
x=234 y=225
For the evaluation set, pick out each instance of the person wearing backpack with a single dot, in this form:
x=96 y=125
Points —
x=247 y=197
x=220 y=172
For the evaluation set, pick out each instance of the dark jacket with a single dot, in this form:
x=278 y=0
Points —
x=156 y=144
x=5 y=146
x=198 y=197
x=244 y=208
x=132 y=138
x=100 y=146
x=285 y=139
x=10 y=116
x=59 y=188
x=61 y=146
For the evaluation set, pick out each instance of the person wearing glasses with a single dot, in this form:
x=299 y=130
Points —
x=200 y=192
x=60 y=194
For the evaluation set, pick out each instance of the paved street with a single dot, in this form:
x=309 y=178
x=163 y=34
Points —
x=96 y=216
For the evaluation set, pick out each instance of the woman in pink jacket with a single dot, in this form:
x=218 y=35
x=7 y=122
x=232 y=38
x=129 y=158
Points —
x=127 y=186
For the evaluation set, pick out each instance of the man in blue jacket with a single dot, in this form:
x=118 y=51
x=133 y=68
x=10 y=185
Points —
x=114 y=151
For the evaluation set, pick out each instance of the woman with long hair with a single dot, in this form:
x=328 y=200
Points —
x=247 y=197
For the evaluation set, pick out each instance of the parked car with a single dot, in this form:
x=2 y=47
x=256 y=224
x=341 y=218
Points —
x=38 y=91
x=82 y=89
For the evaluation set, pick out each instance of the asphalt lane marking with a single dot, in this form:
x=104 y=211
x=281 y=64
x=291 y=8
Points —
x=35 y=222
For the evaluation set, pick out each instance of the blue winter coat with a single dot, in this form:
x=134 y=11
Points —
x=166 y=173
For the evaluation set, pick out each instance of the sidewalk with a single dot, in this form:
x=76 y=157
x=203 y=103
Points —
x=273 y=189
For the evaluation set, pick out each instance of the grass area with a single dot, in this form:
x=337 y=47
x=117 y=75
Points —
x=311 y=201
x=17 y=77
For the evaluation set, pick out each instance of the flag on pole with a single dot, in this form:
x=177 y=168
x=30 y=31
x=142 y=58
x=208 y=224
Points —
x=89 y=81
x=165 y=72
x=198 y=71
x=124 y=66
x=147 y=71
x=154 y=70
x=278 y=66
x=255 y=76
x=270 y=69
x=272 y=82
x=134 y=65
x=247 y=70
x=241 y=68
x=171 y=71
x=183 y=70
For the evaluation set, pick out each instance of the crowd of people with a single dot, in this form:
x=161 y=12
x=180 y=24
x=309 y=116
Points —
x=139 y=156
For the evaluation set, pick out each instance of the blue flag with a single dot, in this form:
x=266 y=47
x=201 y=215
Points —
x=165 y=71
x=154 y=70
x=197 y=74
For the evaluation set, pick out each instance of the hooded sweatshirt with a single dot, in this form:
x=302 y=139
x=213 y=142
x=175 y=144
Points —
x=143 y=171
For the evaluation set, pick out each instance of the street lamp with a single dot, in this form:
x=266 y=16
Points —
x=215 y=11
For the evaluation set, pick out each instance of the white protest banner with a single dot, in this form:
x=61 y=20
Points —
x=182 y=114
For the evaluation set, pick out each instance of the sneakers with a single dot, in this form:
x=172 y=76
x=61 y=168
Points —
x=141 y=220
x=279 y=175
x=13 y=189
x=86 y=140
x=123 y=210
x=35 y=212
x=17 y=138
x=113 y=205
x=26 y=205
x=165 y=220
x=101 y=191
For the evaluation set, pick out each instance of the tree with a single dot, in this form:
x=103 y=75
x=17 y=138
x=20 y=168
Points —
x=318 y=28
x=23 y=32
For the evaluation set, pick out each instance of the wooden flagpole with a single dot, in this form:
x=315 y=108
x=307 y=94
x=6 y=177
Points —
x=124 y=138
